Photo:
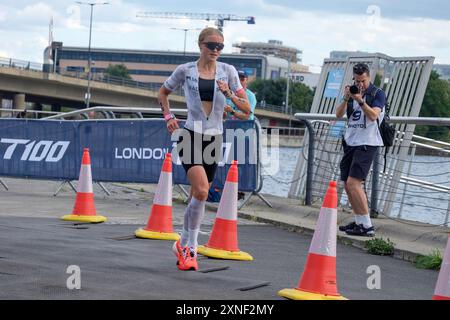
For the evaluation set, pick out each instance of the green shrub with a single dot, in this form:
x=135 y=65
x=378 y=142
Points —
x=432 y=261
x=379 y=246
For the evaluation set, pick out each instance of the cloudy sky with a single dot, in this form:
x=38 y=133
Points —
x=397 y=28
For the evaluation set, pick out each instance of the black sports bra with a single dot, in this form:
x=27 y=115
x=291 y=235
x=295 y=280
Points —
x=206 y=89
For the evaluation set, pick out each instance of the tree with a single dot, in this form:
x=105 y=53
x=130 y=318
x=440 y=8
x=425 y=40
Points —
x=436 y=103
x=274 y=92
x=118 y=70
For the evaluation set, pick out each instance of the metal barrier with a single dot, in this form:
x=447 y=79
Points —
x=110 y=114
x=287 y=131
x=26 y=112
x=274 y=108
x=403 y=79
x=377 y=179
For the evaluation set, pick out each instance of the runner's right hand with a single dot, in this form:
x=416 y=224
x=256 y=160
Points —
x=172 y=125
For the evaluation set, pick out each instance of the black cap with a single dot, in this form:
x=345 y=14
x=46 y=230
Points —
x=242 y=74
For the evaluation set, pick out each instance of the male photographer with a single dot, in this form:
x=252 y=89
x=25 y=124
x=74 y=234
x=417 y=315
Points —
x=364 y=104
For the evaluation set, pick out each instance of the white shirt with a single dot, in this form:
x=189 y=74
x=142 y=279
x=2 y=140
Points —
x=361 y=130
x=187 y=75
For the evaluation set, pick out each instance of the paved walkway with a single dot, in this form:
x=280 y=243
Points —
x=36 y=249
x=410 y=238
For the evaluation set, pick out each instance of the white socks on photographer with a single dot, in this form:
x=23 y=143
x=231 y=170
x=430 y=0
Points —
x=364 y=220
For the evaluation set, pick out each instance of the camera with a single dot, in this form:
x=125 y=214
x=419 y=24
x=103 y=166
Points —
x=354 y=89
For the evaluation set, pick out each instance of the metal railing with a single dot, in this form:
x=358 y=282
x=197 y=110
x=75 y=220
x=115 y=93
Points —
x=436 y=193
x=26 y=113
x=20 y=64
x=286 y=131
x=109 y=112
x=274 y=108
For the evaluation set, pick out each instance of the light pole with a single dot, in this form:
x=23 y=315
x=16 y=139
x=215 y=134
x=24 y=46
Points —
x=185 y=34
x=87 y=97
x=287 y=85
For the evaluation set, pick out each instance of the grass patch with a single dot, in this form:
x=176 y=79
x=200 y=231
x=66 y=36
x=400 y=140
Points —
x=380 y=247
x=431 y=261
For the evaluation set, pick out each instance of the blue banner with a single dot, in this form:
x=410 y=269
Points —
x=334 y=81
x=120 y=150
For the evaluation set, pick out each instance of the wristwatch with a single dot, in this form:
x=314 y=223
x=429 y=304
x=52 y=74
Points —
x=169 y=116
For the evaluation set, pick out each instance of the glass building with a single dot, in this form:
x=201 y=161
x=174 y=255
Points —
x=152 y=66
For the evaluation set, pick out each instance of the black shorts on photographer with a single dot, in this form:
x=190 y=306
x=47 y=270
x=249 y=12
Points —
x=362 y=137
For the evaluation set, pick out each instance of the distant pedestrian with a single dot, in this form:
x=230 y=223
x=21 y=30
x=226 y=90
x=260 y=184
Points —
x=234 y=112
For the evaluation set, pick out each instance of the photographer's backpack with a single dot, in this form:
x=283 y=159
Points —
x=387 y=131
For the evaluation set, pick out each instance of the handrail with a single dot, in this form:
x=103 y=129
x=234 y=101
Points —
x=28 y=111
x=114 y=109
x=393 y=119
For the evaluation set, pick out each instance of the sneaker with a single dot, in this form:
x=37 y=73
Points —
x=359 y=230
x=189 y=260
x=351 y=225
x=177 y=250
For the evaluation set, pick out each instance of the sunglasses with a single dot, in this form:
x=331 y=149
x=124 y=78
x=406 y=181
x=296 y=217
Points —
x=214 y=46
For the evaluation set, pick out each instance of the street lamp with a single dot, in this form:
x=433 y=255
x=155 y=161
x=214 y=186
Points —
x=87 y=97
x=185 y=34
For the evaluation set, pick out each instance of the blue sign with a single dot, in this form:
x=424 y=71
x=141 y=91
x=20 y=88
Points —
x=120 y=151
x=337 y=129
x=334 y=81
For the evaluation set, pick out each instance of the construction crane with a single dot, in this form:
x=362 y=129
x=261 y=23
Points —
x=219 y=18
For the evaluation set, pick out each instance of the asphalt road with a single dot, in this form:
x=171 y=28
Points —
x=35 y=253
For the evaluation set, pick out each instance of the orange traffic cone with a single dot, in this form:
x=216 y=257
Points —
x=84 y=208
x=442 y=291
x=159 y=224
x=223 y=242
x=318 y=281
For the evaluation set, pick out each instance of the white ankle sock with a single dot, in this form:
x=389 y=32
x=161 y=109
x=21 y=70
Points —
x=365 y=220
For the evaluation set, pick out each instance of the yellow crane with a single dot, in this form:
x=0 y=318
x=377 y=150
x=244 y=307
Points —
x=218 y=18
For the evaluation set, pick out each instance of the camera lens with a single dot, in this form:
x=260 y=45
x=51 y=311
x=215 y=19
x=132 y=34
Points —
x=354 y=89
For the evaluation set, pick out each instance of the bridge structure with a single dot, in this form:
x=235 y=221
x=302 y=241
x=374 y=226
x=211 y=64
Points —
x=24 y=82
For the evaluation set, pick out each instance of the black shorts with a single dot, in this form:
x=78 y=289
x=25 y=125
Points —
x=199 y=150
x=356 y=161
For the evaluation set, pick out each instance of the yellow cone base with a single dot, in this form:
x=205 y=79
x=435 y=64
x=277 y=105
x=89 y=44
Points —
x=295 y=294
x=79 y=218
x=223 y=254
x=146 y=234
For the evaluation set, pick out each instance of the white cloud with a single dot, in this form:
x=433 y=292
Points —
x=24 y=29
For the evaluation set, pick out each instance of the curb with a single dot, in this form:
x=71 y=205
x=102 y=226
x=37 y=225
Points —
x=400 y=254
